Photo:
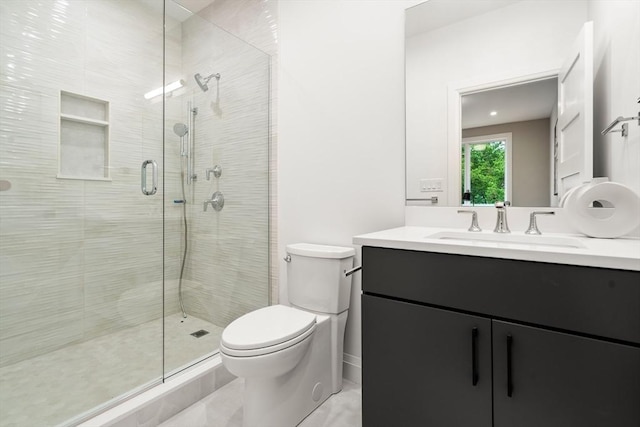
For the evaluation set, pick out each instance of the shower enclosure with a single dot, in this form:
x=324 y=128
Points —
x=133 y=224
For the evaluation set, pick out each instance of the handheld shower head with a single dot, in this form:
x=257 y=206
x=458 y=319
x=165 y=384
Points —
x=203 y=81
x=180 y=129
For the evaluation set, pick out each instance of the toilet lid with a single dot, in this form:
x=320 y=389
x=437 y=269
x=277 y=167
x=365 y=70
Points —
x=266 y=327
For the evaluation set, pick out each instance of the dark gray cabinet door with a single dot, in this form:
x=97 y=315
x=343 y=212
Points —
x=418 y=366
x=563 y=380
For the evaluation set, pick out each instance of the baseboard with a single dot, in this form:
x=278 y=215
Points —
x=352 y=368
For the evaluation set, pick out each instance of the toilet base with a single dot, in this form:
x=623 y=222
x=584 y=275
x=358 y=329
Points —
x=263 y=408
x=285 y=400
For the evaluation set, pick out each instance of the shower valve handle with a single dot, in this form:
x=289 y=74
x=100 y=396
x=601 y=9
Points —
x=216 y=171
x=216 y=201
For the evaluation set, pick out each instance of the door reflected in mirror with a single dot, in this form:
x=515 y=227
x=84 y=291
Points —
x=507 y=144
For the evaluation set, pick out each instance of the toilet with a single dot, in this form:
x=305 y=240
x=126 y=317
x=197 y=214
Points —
x=291 y=356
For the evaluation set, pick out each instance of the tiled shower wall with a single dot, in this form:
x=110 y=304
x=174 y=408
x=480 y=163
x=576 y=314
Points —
x=79 y=258
x=256 y=22
x=227 y=265
x=82 y=258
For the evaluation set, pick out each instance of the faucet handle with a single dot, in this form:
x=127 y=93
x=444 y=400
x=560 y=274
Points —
x=533 y=226
x=502 y=205
x=216 y=171
x=216 y=202
x=474 y=220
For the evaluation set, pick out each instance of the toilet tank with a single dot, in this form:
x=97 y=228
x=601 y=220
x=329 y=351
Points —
x=315 y=277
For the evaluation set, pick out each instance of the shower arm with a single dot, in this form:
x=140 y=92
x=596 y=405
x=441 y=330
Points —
x=216 y=75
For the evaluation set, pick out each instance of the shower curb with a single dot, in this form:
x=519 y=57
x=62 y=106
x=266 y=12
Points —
x=162 y=402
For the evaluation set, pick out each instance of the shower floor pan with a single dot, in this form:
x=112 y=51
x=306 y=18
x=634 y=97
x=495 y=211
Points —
x=53 y=388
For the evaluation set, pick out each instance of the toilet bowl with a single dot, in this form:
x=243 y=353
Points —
x=291 y=356
x=267 y=342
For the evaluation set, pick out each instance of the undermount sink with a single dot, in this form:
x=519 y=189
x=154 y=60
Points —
x=509 y=239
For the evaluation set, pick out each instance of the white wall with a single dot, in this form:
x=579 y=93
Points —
x=616 y=88
x=526 y=37
x=341 y=127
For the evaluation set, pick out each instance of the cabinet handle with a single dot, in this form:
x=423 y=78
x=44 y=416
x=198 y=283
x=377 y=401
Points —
x=474 y=356
x=509 y=379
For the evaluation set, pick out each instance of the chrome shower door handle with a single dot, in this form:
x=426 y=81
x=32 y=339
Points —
x=143 y=177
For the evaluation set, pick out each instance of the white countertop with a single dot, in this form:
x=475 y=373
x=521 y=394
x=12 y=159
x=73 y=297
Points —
x=623 y=253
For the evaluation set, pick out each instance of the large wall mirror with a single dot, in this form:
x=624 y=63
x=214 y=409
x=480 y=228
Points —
x=482 y=100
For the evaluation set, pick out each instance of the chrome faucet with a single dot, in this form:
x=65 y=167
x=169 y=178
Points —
x=501 y=220
x=474 y=220
x=533 y=226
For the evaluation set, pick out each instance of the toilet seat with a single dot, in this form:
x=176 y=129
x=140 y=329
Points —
x=267 y=330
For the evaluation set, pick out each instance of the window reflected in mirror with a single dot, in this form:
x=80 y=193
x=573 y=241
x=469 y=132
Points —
x=485 y=163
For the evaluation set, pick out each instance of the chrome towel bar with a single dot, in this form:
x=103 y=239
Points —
x=625 y=127
x=348 y=273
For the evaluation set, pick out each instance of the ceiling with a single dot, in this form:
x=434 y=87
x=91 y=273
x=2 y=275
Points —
x=433 y=14
x=180 y=10
x=528 y=101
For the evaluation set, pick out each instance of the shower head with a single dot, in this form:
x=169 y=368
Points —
x=202 y=81
x=180 y=129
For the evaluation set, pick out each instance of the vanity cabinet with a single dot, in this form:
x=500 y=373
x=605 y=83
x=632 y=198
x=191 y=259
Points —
x=455 y=340
x=419 y=368
x=547 y=378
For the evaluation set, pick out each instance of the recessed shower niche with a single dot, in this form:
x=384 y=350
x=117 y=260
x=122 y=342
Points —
x=84 y=137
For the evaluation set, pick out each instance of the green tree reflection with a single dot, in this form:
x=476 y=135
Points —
x=487 y=172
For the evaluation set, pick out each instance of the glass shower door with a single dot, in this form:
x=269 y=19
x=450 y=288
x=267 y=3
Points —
x=216 y=184
x=81 y=250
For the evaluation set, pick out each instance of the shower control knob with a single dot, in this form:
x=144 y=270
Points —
x=216 y=201
x=216 y=171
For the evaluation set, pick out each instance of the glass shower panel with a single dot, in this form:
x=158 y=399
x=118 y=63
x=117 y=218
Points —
x=216 y=254
x=80 y=245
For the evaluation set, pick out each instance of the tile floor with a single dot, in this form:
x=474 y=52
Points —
x=223 y=408
x=67 y=382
